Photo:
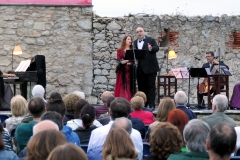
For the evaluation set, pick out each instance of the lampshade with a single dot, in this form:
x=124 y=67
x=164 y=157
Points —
x=17 y=50
x=172 y=54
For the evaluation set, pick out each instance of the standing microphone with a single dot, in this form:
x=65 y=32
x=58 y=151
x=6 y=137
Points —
x=197 y=58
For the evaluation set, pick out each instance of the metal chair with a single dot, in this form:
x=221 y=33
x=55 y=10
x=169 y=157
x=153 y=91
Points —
x=84 y=147
x=3 y=118
x=146 y=149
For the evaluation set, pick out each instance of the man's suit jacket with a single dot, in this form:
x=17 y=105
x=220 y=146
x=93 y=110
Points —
x=149 y=64
x=206 y=65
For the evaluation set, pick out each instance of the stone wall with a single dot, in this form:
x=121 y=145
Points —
x=80 y=47
x=196 y=35
x=62 y=34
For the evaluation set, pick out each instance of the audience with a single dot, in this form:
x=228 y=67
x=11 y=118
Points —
x=18 y=110
x=80 y=94
x=103 y=108
x=70 y=101
x=219 y=105
x=116 y=148
x=96 y=153
x=221 y=141
x=7 y=140
x=87 y=115
x=137 y=104
x=143 y=95
x=164 y=107
x=77 y=122
x=45 y=125
x=5 y=154
x=119 y=107
x=55 y=95
x=59 y=107
x=38 y=91
x=166 y=139
x=108 y=102
x=54 y=117
x=42 y=143
x=36 y=107
x=180 y=99
x=67 y=152
x=195 y=135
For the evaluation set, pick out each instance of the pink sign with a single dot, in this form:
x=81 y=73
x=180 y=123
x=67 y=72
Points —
x=46 y=2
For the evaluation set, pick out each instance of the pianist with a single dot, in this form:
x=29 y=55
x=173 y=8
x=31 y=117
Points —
x=6 y=93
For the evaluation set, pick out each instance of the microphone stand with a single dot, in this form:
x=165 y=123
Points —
x=189 y=70
x=134 y=69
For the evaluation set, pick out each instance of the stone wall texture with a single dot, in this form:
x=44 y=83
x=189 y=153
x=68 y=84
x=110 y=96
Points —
x=80 y=47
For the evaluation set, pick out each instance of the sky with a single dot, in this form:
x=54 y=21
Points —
x=118 y=8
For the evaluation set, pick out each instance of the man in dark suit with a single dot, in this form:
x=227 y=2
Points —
x=147 y=67
x=211 y=61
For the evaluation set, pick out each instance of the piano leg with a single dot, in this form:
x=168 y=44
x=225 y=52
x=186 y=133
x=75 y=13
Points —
x=23 y=88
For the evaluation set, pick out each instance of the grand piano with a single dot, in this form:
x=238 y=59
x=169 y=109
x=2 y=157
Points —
x=36 y=72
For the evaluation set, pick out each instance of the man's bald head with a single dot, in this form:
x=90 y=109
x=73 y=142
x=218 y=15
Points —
x=105 y=96
x=44 y=125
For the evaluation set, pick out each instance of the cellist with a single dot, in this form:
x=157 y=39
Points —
x=210 y=62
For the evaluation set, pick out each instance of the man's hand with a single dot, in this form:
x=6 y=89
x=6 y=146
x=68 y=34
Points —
x=149 y=47
x=215 y=61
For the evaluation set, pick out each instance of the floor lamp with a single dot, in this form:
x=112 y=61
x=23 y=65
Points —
x=16 y=51
x=170 y=55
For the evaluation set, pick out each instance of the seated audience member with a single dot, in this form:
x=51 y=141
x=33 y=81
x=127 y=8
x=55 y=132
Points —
x=119 y=107
x=180 y=99
x=70 y=101
x=219 y=105
x=38 y=91
x=165 y=140
x=42 y=143
x=18 y=110
x=67 y=152
x=80 y=94
x=77 y=122
x=55 y=95
x=7 y=140
x=36 y=107
x=143 y=95
x=137 y=104
x=45 y=125
x=195 y=135
x=221 y=141
x=96 y=153
x=59 y=107
x=87 y=115
x=136 y=122
x=5 y=154
x=164 y=107
x=108 y=102
x=118 y=144
x=6 y=93
x=54 y=117
x=103 y=109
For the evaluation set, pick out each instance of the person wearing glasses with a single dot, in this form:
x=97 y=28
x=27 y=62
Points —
x=211 y=61
x=147 y=67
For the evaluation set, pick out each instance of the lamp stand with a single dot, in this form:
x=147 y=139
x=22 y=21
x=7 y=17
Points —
x=12 y=59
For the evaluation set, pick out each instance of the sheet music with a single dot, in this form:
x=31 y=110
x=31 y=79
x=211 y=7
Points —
x=23 y=66
x=180 y=72
x=208 y=71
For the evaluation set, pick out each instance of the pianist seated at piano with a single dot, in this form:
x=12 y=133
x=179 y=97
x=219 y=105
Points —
x=6 y=93
x=211 y=61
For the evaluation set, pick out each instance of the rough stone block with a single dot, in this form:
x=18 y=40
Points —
x=39 y=25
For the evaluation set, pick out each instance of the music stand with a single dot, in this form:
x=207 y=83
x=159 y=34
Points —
x=134 y=55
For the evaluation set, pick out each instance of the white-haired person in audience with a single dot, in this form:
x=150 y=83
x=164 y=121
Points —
x=180 y=98
x=38 y=91
x=80 y=94
x=219 y=105
x=137 y=104
x=195 y=135
x=221 y=141
x=18 y=109
x=45 y=125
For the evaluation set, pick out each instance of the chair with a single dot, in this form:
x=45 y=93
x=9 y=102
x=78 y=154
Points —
x=3 y=118
x=235 y=158
x=146 y=149
x=237 y=152
x=84 y=147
